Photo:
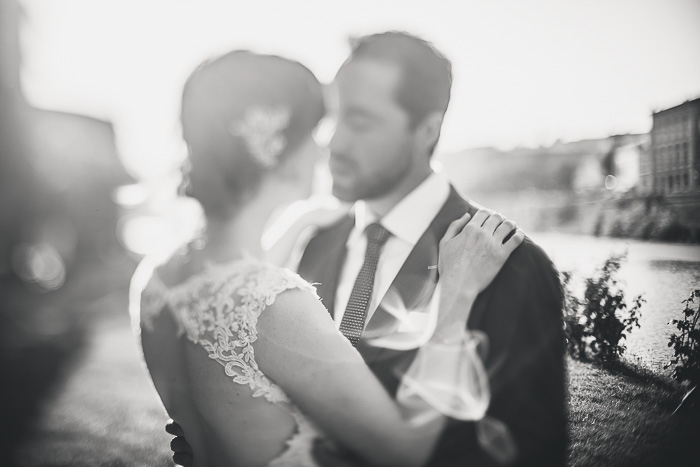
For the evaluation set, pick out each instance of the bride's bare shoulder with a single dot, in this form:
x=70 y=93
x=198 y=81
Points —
x=295 y=311
x=298 y=340
x=272 y=281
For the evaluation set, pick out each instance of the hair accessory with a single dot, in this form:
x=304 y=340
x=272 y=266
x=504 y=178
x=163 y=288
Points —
x=261 y=129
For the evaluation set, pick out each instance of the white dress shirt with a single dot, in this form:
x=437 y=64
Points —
x=407 y=222
x=435 y=382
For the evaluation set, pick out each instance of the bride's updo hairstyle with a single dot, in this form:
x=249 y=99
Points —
x=242 y=115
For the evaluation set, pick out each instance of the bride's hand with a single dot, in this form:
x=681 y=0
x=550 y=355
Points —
x=473 y=251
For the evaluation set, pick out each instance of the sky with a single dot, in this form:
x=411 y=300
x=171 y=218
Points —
x=526 y=72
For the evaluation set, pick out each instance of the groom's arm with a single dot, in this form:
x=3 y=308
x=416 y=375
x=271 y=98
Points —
x=529 y=389
x=521 y=313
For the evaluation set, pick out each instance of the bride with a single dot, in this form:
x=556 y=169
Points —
x=242 y=352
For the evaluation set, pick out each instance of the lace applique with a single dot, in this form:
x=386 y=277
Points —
x=219 y=309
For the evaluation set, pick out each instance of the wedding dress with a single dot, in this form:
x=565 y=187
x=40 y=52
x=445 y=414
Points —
x=218 y=310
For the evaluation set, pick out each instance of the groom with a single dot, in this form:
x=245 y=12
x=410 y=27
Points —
x=394 y=90
x=393 y=93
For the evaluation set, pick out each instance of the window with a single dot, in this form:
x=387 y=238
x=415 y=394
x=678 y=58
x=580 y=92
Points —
x=662 y=157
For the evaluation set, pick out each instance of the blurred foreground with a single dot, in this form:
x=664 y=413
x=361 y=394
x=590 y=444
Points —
x=106 y=412
x=59 y=253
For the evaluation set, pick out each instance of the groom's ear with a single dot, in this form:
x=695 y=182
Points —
x=428 y=132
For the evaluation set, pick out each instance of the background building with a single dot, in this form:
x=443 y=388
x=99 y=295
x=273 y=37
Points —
x=630 y=165
x=675 y=149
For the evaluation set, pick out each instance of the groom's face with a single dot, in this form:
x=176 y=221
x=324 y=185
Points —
x=370 y=152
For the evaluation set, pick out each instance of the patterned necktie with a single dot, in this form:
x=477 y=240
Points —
x=353 y=322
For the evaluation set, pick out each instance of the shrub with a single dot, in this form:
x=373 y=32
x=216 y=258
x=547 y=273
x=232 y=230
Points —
x=686 y=345
x=597 y=323
x=574 y=323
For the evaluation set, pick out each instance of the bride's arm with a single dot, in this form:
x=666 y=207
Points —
x=299 y=347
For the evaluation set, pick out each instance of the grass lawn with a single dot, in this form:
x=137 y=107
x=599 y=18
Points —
x=106 y=413
x=626 y=418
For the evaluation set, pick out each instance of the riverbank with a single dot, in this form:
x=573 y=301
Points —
x=672 y=219
x=106 y=413
x=664 y=273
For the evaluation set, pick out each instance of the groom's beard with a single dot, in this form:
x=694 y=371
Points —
x=350 y=184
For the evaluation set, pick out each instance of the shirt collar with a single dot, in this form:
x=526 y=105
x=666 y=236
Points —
x=411 y=216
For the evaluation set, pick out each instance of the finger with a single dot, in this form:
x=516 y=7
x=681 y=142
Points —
x=183 y=459
x=174 y=428
x=480 y=217
x=180 y=445
x=456 y=227
x=503 y=230
x=514 y=241
x=492 y=223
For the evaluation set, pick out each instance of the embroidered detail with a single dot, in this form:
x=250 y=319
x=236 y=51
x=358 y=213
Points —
x=219 y=309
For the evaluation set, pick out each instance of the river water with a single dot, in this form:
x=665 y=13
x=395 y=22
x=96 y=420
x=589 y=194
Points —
x=665 y=273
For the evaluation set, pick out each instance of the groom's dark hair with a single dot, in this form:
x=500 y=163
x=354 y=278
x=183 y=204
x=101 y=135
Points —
x=426 y=78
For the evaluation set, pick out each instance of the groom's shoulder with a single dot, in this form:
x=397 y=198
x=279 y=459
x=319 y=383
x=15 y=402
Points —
x=530 y=259
x=527 y=257
x=531 y=254
x=530 y=272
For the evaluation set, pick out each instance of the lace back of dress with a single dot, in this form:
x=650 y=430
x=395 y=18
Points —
x=218 y=309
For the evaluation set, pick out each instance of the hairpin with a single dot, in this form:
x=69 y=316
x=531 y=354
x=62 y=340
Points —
x=261 y=129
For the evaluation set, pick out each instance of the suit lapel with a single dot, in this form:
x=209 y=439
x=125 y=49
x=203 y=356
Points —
x=324 y=256
x=414 y=283
x=414 y=280
x=323 y=260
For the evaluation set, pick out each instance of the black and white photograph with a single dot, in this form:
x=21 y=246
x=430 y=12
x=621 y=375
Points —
x=399 y=233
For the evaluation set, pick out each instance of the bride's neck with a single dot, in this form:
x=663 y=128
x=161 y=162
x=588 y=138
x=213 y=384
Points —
x=238 y=235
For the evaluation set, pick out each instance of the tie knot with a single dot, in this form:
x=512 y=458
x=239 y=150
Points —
x=377 y=234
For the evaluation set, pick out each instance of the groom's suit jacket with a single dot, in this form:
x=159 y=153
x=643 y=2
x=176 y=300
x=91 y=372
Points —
x=520 y=312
